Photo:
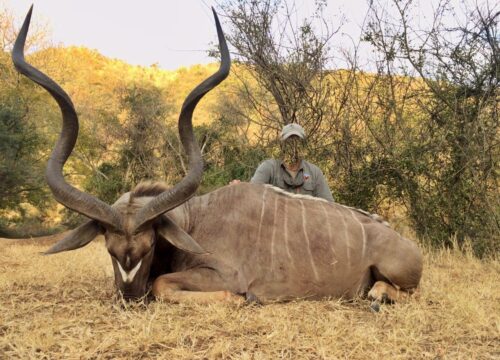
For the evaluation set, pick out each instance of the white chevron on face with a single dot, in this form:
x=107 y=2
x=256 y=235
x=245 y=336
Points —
x=128 y=276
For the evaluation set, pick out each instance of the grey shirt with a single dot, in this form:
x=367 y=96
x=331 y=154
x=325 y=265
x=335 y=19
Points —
x=308 y=181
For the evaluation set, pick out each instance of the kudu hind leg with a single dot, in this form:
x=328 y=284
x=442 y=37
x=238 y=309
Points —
x=386 y=293
x=395 y=280
x=201 y=286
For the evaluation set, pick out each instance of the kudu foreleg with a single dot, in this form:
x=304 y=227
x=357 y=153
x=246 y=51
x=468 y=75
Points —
x=201 y=286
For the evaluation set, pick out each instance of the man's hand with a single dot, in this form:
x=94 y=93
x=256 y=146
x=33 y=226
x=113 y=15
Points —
x=234 y=182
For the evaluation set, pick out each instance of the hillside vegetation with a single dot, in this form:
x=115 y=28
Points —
x=415 y=140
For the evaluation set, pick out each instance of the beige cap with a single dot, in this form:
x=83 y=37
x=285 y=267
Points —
x=292 y=129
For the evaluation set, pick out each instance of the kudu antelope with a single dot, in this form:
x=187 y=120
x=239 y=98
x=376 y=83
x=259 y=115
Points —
x=241 y=240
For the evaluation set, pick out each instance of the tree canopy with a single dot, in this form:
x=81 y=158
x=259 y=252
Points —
x=415 y=140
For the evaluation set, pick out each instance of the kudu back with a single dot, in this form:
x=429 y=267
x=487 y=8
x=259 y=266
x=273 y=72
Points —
x=245 y=240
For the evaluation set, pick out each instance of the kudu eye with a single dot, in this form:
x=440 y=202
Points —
x=103 y=229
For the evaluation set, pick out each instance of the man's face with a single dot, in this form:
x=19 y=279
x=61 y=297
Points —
x=292 y=150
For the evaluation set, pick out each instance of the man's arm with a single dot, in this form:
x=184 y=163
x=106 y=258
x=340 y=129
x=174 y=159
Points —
x=263 y=173
x=322 y=189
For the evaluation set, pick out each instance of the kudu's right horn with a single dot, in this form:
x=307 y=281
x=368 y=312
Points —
x=186 y=188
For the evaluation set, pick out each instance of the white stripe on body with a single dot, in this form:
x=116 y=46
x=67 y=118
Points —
x=346 y=236
x=262 y=210
x=274 y=232
x=304 y=223
x=285 y=230
x=364 y=234
x=328 y=226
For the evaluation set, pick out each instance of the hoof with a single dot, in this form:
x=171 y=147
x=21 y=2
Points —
x=375 y=306
x=252 y=299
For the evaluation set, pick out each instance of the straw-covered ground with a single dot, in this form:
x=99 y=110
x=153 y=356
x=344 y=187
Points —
x=62 y=307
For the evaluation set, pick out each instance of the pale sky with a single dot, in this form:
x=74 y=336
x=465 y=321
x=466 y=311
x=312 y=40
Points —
x=171 y=33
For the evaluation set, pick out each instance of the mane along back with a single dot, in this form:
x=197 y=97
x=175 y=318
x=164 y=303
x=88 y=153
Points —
x=374 y=217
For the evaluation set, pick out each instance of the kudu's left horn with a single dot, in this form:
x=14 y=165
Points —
x=64 y=193
x=186 y=188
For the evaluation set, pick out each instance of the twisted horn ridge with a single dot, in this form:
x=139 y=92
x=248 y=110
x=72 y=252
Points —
x=186 y=188
x=64 y=193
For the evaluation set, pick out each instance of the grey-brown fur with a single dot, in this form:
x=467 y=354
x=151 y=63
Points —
x=274 y=260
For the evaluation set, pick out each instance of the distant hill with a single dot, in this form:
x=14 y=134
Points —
x=95 y=81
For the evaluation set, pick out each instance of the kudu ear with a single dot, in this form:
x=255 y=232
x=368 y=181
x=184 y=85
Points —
x=77 y=238
x=171 y=232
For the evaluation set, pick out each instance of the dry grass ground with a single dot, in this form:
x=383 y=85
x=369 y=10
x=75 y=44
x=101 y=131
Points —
x=62 y=307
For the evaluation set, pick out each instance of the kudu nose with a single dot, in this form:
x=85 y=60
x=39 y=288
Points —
x=130 y=293
x=130 y=298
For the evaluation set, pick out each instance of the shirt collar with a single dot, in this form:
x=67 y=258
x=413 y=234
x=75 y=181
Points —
x=298 y=180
